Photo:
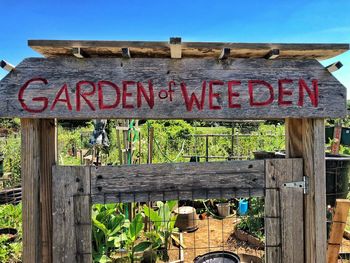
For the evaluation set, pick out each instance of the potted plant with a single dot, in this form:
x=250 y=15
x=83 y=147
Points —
x=163 y=220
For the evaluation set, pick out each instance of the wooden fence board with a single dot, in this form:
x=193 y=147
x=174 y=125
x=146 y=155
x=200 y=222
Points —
x=130 y=183
x=266 y=89
x=283 y=211
x=71 y=212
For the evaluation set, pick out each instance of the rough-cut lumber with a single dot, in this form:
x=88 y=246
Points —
x=305 y=138
x=54 y=48
x=283 y=211
x=30 y=167
x=339 y=222
x=71 y=214
x=48 y=144
x=214 y=83
x=177 y=181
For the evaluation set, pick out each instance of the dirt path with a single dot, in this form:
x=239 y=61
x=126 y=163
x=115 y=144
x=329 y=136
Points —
x=212 y=235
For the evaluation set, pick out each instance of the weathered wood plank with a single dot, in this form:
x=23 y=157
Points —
x=292 y=230
x=30 y=168
x=71 y=212
x=305 y=138
x=339 y=222
x=177 y=181
x=273 y=251
x=48 y=144
x=262 y=91
x=53 y=48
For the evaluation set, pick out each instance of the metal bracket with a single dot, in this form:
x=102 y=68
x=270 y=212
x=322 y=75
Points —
x=300 y=184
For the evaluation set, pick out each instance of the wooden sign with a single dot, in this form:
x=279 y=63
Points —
x=171 y=89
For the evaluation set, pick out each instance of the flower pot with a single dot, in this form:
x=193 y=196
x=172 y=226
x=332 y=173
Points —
x=223 y=209
x=187 y=218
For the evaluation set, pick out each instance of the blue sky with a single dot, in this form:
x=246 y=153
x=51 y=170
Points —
x=233 y=21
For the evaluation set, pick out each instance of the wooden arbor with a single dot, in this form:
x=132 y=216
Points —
x=111 y=79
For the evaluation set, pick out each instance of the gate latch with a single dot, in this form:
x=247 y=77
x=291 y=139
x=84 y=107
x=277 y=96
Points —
x=300 y=184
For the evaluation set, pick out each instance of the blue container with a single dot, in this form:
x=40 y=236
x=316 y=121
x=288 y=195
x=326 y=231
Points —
x=242 y=207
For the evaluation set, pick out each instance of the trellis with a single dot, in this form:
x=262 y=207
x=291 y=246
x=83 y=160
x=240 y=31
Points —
x=148 y=80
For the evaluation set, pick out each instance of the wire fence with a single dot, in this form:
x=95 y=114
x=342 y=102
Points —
x=191 y=230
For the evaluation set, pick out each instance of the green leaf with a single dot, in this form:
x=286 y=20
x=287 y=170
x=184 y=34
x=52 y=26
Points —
x=153 y=216
x=102 y=259
x=136 y=226
x=140 y=247
x=101 y=226
x=172 y=204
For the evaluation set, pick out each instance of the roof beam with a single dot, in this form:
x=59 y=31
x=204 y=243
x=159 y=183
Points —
x=175 y=47
x=126 y=52
x=273 y=53
x=6 y=66
x=79 y=53
x=225 y=53
x=334 y=67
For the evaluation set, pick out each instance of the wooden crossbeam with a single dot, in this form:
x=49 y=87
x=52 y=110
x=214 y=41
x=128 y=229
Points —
x=126 y=52
x=175 y=47
x=79 y=53
x=273 y=53
x=225 y=53
x=6 y=66
x=334 y=66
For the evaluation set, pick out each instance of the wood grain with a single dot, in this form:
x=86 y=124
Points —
x=283 y=211
x=192 y=72
x=54 y=48
x=71 y=214
x=30 y=167
x=339 y=222
x=48 y=144
x=305 y=138
x=176 y=181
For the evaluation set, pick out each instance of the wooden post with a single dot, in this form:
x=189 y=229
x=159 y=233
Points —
x=337 y=229
x=336 y=139
x=30 y=170
x=38 y=155
x=305 y=138
x=48 y=141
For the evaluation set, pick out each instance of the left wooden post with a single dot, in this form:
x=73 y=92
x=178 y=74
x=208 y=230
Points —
x=39 y=151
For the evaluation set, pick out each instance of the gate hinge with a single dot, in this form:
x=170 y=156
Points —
x=299 y=184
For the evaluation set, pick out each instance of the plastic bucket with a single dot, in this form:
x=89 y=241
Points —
x=243 y=207
x=218 y=257
x=223 y=209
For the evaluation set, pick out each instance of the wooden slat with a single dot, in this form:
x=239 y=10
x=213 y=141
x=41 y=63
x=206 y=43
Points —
x=52 y=48
x=177 y=181
x=305 y=138
x=71 y=212
x=30 y=168
x=273 y=251
x=339 y=222
x=283 y=212
x=292 y=214
x=161 y=72
x=48 y=144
